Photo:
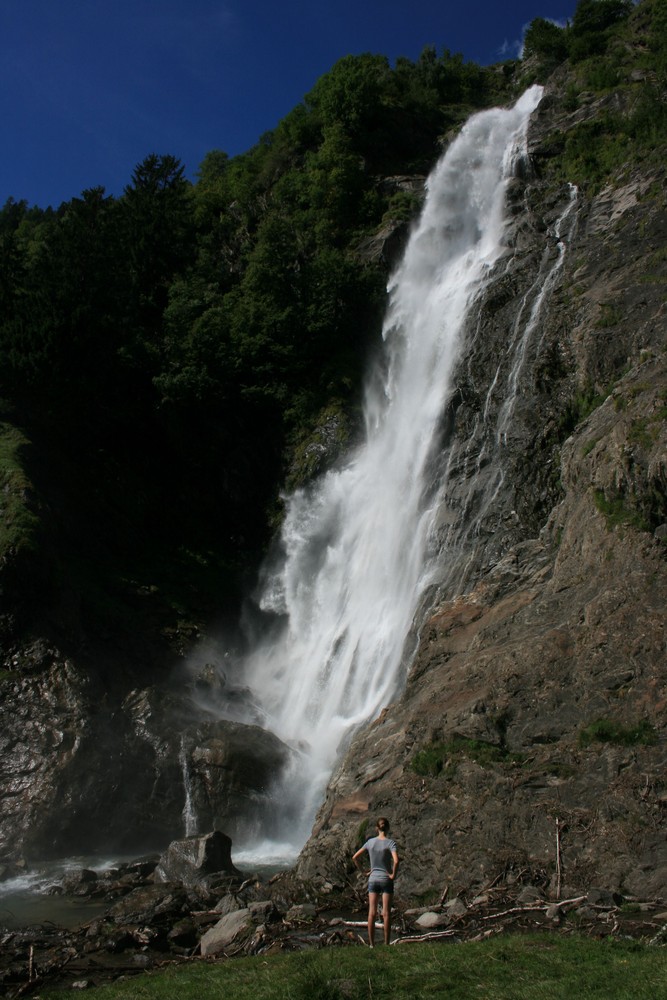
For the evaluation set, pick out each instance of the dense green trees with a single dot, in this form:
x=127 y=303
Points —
x=586 y=35
x=175 y=347
x=611 y=45
x=544 y=38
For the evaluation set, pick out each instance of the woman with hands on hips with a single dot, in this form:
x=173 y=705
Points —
x=383 y=858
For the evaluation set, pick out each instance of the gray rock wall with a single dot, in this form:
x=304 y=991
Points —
x=83 y=774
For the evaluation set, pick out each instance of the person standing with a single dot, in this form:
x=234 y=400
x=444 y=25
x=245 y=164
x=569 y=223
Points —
x=383 y=858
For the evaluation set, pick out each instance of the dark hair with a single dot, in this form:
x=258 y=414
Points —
x=383 y=824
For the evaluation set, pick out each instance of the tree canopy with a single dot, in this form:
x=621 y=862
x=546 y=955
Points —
x=192 y=335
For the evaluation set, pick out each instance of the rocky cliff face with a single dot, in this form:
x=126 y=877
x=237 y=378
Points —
x=86 y=769
x=534 y=710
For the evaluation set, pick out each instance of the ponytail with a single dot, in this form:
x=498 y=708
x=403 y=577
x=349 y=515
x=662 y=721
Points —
x=383 y=824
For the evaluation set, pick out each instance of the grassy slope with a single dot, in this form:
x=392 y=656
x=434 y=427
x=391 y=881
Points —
x=505 y=968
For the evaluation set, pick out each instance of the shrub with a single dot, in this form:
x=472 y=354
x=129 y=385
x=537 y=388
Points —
x=18 y=525
x=608 y=731
x=436 y=758
x=617 y=512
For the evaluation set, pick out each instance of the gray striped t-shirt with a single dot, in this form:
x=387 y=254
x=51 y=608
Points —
x=379 y=851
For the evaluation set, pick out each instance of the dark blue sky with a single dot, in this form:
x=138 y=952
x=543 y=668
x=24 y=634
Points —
x=89 y=87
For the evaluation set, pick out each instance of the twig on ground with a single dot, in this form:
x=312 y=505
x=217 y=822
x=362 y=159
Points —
x=431 y=936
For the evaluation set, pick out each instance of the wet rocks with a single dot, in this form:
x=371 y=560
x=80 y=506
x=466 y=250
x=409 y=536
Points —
x=44 y=729
x=157 y=922
x=82 y=774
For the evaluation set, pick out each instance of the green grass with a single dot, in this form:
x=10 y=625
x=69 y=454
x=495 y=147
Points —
x=535 y=967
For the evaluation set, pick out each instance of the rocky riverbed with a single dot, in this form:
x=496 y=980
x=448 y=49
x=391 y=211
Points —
x=193 y=904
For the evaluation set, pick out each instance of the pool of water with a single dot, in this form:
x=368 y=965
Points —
x=30 y=898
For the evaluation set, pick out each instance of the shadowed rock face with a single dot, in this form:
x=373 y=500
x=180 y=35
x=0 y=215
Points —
x=553 y=618
x=83 y=775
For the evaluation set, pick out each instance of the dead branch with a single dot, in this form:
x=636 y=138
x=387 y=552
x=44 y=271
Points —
x=558 y=856
x=534 y=908
x=360 y=923
x=514 y=909
x=431 y=936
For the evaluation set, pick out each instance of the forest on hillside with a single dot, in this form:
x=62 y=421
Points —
x=173 y=356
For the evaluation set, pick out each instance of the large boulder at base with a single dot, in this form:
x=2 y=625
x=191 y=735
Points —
x=233 y=771
x=233 y=929
x=191 y=860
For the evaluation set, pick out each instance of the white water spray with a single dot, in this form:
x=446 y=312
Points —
x=355 y=546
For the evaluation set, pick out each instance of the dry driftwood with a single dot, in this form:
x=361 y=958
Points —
x=430 y=936
x=533 y=907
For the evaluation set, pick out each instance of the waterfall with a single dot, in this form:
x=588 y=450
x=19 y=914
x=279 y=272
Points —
x=357 y=546
x=190 y=822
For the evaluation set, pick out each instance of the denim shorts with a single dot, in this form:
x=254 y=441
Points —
x=381 y=885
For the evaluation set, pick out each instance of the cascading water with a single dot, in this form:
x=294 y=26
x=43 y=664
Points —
x=190 y=821
x=355 y=546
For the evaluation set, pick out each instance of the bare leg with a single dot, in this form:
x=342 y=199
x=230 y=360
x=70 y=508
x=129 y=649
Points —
x=386 y=915
x=372 y=914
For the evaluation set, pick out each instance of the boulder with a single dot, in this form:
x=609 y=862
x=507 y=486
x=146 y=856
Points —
x=191 y=860
x=263 y=911
x=431 y=919
x=80 y=882
x=455 y=908
x=232 y=769
x=602 y=897
x=233 y=929
x=148 y=904
x=301 y=913
x=228 y=904
x=183 y=934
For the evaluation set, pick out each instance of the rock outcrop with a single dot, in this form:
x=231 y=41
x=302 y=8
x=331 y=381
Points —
x=84 y=772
